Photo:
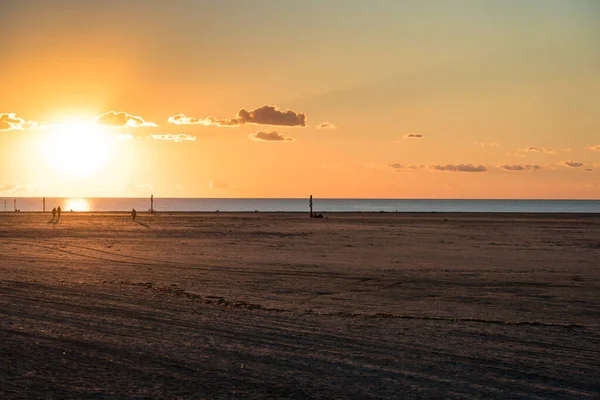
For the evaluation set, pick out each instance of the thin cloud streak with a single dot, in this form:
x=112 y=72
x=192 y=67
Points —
x=594 y=148
x=519 y=167
x=272 y=136
x=540 y=150
x=458 y=168
x=490 y=144
x=572 y=164
x=326 y=125
x=177 y=137
x=405 y=168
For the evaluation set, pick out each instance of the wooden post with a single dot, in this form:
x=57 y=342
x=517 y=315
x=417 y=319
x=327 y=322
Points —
x=15 y=204
x=151 y=204
x=44 y=204
x=310 y=205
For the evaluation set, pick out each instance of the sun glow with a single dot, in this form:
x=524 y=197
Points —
x=78 y=148
x=76 y=205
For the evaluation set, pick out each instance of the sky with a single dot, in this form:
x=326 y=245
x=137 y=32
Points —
x=364 y=99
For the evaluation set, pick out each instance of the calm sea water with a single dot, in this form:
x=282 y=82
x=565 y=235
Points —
x=294 y=205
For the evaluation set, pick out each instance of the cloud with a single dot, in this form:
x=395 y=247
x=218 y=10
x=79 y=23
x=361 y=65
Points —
x=572 y=164
x=489 y=144
x=272 y=136
x=405 y=168
x=272 y=115
x=217 y=184
x=519 y=167
x=414 y=136
x=181 y=119
x=265 y=115
x=326 y=125
x=176 y=137
x=594 y=148
x=588 y=169
x=540 y=150
x=10 y=121
x=122 y=119
x=16 y=189
x=458 y=168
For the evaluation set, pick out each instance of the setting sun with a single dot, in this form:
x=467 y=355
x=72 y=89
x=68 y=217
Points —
x=78 y=148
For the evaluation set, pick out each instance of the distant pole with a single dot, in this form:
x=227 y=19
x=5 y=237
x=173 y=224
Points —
x=44 y=205
x=15 y=204
x=310 y=205
x=151 y=204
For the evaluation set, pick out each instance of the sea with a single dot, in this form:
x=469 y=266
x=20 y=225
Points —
x=321 y=205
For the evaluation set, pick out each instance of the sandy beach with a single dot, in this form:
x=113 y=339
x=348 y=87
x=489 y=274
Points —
x=264 y=305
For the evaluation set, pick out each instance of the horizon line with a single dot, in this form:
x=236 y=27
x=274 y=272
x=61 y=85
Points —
x=302 y=198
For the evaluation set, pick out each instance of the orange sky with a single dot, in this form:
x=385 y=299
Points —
x=432 y=99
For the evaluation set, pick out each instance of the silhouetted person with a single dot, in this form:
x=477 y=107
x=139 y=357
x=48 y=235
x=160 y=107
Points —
x=58 y=210
x=54 y=213
x=133 y=214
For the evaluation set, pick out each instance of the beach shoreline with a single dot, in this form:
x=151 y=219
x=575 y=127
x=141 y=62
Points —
x=255 y=305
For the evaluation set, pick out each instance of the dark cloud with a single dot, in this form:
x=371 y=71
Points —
x=272 y=115
x=414 y=136
x=572 y=164
x=10 y=121
x=326 y=125
x=519 y=167
x=588 y=169
x=265 y=115
x=459 y=168
x=176 y=137
x=121 y=119
x=272 y=136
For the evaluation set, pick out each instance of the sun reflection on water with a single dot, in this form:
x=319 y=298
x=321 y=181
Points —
x=78 y=204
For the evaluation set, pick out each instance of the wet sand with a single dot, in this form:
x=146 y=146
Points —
x=279 y=305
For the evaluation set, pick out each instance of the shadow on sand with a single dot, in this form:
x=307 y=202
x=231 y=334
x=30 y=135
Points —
x=142 y=224
x=53 y=221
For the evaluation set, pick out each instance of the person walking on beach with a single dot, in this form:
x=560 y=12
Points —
x=58 y=210
x=53 y=213
x=133 y=214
